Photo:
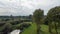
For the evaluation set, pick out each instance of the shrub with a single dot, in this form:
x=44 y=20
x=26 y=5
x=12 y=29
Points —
x=7 y=28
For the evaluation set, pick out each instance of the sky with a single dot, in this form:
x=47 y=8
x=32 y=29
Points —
x=26 y=7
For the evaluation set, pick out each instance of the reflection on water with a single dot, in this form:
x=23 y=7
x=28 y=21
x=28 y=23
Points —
x=15 y=32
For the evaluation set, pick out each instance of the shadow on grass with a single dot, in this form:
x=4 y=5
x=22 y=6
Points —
x=43 y=32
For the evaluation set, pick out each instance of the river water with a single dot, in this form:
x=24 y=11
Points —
x=15 y=32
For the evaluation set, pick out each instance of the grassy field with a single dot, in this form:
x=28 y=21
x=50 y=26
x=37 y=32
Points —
x=32 y=29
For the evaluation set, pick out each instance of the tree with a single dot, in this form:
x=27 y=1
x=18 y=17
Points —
x=37 y=16
x=12 y=17
x=53 y=16
x=45 y=21
x=30 y=16
x=7 y=28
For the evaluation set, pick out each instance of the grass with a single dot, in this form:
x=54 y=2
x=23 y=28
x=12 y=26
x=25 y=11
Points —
x=44 y=29
x=32 y=29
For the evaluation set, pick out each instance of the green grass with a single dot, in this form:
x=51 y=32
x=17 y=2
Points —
x=32 y=29
x=44 y=29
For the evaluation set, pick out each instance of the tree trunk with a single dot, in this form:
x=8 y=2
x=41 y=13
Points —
x=56 y=28
x=50 y=28
x=38 y=28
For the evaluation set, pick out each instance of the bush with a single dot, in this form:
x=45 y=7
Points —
x=46 y=22
x=5 y=19
x=15 y=22
x=24 y=25
x=7 y=28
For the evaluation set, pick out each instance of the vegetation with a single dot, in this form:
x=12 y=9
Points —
x=33 y=27
x=42 y=24
x=37 y=17
x=53 y=17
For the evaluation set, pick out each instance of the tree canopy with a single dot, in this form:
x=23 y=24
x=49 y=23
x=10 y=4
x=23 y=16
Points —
x=54 y=13
x=37 y=15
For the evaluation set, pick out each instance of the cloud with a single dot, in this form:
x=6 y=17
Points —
x=43 y=4
x=25 y=7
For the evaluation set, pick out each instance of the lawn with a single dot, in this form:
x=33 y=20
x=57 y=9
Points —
x=32 y=29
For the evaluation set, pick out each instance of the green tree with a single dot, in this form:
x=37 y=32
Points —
x=7 y=28
x=37 y=17
x=53 y=16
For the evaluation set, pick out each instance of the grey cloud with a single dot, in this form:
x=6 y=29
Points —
x=15 y=7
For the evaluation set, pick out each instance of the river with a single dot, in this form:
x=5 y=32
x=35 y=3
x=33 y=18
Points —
x=15 y=32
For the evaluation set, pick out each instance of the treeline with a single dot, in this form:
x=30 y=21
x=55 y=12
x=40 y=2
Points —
x=11 y=16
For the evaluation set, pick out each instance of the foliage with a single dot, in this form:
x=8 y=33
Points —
x=54 y=16
x=54 y=13
x=37 y=18
x=38 y=15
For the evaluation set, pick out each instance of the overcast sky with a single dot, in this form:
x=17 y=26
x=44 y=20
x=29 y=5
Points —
x=26 y=7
